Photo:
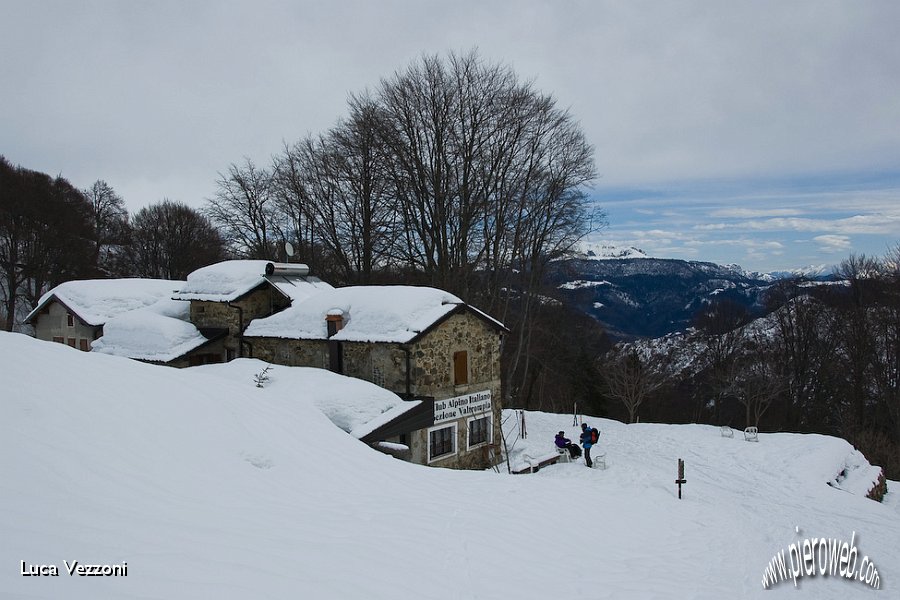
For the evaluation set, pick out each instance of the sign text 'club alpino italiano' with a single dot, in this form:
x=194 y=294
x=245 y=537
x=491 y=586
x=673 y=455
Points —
x=462 y=406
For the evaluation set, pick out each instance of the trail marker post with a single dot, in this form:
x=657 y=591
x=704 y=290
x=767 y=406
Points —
x=681 y=478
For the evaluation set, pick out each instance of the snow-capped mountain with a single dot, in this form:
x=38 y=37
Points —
x=600 y=251
x=651 y=297
x=635 y=295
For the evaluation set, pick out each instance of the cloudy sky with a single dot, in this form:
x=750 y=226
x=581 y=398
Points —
x=760 y=133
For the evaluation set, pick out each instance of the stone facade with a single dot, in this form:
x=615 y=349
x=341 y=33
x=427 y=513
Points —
x=209 y=353
x=55 y=323
x=431 y=375
x=290 y=352
x=236 y=315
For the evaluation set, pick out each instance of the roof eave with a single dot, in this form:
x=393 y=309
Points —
x=37 y=309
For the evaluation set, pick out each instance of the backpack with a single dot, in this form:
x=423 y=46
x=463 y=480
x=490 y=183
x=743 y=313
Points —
x=595 y=435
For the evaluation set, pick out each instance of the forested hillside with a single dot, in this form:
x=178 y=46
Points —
x=825 y=359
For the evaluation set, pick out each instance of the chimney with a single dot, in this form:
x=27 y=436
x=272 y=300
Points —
x=334 y=319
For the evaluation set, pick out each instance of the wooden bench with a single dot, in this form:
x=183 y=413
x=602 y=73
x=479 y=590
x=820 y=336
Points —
x=535 y=464
x=751 y=434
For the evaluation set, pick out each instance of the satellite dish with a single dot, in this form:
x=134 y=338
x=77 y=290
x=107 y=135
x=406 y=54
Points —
x=289 y=248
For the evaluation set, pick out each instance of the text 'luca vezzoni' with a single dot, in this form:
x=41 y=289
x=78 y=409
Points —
x=75 y=568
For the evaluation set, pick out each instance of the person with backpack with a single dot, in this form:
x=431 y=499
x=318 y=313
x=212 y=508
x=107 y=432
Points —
x=565 y=443
x=587 y=440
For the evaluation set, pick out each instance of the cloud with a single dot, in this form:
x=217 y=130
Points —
x=833 y=243
x=876 y=224
x=694 y=108
x=748 y=213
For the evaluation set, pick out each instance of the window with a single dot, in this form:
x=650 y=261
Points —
x=378 y=376
x=479 y=431
x=71 y=342
x=460 y=367
x=285 y=355
x=84 y=345
x=441 y=442
x=59 y=339
x=70 y=319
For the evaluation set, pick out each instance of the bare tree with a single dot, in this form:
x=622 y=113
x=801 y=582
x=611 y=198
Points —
x=171 y=239
x=110 y=220
x=45 y=233
x=489 y=175
x=488 y=172
x=294 y=178
x=755 y=382
x=630 y=380
x=337 y=184
x=856 y=331
x=887 y=360
x=723 y=341
x=800 y=341
x=243 y=211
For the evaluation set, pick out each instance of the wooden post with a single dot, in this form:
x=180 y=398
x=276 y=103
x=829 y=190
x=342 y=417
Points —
x=681 y=478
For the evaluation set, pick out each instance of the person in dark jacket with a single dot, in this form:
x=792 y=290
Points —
x=563 y=442
x=586 y=444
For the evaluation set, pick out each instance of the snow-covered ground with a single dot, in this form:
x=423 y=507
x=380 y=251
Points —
x=209 y=487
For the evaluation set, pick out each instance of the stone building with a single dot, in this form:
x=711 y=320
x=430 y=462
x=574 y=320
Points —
x=421 y=343
x=426 y=345
x=226 y=297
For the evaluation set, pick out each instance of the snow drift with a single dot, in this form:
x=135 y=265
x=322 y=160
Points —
x=209 y=487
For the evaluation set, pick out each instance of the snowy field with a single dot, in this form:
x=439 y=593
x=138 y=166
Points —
x=209 y=487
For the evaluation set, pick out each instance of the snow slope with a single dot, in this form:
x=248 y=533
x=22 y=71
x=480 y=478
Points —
x=209 y=487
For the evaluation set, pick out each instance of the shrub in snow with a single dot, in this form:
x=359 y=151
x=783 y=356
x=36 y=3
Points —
x=262 y=377
x=877 y=493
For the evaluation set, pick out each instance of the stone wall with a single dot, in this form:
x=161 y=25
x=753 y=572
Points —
x=433 y=375
x=432 y=357
x=289 y=352
x=259 y=303
x=475 y=458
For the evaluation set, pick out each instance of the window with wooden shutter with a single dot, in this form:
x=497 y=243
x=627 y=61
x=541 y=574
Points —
x=460 y=367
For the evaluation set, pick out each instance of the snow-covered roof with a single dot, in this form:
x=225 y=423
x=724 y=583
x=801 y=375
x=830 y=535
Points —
x=158 y=333
x=229 y=280
x=356 y=406
x=95 y=301
x=394 y=313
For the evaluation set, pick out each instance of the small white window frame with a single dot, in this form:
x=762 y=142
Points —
x=490 y=430
x=455 y=427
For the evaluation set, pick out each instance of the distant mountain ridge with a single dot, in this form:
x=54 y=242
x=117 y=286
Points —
x=636 y=296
